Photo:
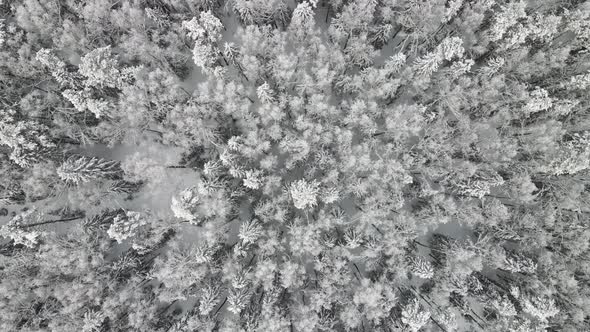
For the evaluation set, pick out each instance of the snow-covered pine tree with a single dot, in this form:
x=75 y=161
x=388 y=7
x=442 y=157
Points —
x=29 y=141
x=80 y=169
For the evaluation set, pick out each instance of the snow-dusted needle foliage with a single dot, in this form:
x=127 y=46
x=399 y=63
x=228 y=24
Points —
x=28 y=140
x=18 y=229
x=413 y=316
x=80 y=169
x=304 y=194
x=126 y=226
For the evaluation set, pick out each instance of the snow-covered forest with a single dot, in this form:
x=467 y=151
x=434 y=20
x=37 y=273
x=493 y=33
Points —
x=294 y=165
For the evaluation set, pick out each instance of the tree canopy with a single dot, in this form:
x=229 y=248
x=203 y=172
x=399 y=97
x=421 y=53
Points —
x=308 y=165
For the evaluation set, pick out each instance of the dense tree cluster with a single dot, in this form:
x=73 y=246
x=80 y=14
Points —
x=308 y=165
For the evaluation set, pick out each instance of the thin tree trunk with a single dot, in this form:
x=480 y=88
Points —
x=52 y=221
x=221 y=306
